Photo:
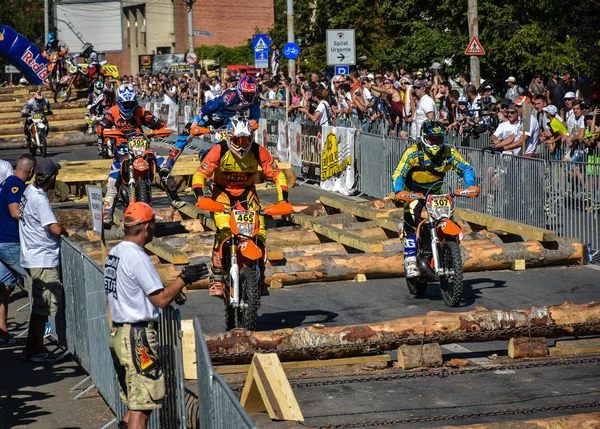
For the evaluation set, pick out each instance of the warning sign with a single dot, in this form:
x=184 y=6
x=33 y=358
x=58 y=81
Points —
x=474 y=47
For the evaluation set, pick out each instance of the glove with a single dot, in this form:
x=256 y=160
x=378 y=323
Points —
x=471 y=191
x=409 y=196
x=285 y=196
x=199 y=192
x=50 y=112
x=192 y=273
x=181 y=298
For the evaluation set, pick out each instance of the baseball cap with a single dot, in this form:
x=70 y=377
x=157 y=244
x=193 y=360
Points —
x=512 y=107
x=555 y=72
x=47 y=167
x=462 y=100
x=569 y=94
x=418 y=83
x=551 y=109
x=511 y=79
x=522 y=99
x=405 y=79
x=138 y=213
x=436 y=66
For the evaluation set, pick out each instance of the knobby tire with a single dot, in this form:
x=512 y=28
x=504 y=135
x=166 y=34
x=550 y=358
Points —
x=452 y=291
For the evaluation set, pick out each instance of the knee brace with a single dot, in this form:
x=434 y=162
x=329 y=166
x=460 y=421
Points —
x=410 y=246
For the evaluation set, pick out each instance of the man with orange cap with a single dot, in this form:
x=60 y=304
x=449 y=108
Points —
x=135 y=294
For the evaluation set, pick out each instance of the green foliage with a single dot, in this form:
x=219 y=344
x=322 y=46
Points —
x=237 y=55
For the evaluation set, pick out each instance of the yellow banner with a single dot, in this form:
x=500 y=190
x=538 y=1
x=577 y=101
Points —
x=330 y=163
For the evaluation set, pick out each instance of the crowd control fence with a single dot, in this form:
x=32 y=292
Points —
x=82 y=327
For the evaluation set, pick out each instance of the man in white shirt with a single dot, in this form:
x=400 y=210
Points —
x=569 y=120
x=509 y=131
x=170 y=100
x=5 y=170
x=215 y=87
x=39 y=234
x=514 y=91
x=425 y=107
x=135 y=293
x=530 y=136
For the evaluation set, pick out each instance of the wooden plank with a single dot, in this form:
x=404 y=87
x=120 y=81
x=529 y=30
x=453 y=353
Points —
x=381 y=217
x=509 y=226
x=195 y=213
x=337 y=234
x=157 y=246
x=308 y=364
x=268 y=389
x=576 y=347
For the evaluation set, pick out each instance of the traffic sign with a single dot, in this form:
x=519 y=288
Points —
x=341 y=47
x=261 y=60
x=191 y=58
x=342 y=70
x=291 y=51
x=11 y=69
x=474 y=47
x=261 y=43
x=202 y=33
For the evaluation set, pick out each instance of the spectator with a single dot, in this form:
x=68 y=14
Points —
x=393 y=99
x=536 y=87
x=323 y=114
x=39 y=232
x=554 y=94
x=509 y=131
x=215 y=87
x=135 y=293
x=569 y=117
x=514 y=91
x=5 y=170
x=557 y=132
x=464 y=82
x=539 y=102
x=529 y=138
x=472 y=97
x=574 y=150
x=11 y=191
x=170 y=100
x=425 y=108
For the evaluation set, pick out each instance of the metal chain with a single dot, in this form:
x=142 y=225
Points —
x=463 y=416
x=441 y=373
x=373 y=346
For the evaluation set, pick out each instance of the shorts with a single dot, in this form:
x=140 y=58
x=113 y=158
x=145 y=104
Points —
x=46 y=290
x=135 y=358
x=10 y=264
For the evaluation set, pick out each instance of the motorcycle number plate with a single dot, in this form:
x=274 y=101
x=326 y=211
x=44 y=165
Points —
x=135 y=142
x=441 y=202
x=38 y=116
x=242 y=216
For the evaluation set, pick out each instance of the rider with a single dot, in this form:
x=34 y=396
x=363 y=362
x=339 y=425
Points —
x=421 y=171
x=90 y=56
x=128 y=117
x=218 y=112
x=234 y=164
x=35 y=104
x=97 y=105
x=54 y=45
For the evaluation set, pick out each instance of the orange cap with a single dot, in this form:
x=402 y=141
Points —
x=522 y=99
x=138 y=213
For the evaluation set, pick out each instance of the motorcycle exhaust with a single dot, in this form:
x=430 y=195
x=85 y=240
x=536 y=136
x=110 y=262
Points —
x=425 y=269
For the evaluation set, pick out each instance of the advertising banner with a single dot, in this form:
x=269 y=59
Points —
x=295 y=147
x=163 y=63
x=272 y=137
x=261 y=133
x=283 y=145
x=311 y=141
x=337 y=160
x=24 y=55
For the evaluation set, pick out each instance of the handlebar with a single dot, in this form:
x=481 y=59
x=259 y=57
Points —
x=280 y=209
x=162 y=132
x=198 y=131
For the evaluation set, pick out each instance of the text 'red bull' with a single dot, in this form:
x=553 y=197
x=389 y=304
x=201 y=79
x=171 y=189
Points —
x=40 y=69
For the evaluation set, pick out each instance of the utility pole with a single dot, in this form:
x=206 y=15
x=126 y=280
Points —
x=290 y=28
x=473 y=21
x=190 y=4
x=46 y=20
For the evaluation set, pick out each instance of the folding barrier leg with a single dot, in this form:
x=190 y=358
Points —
x=85 y=391
x=109 y=424
x=23 y=307
x=85 y=380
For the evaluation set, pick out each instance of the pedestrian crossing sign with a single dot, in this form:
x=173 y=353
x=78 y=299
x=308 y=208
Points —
x=474 y=47
x=261 y=42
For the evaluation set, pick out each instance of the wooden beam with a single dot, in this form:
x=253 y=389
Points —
x=574 y=421
x=509 y=226
x=385 y=218
x=157 y=246
x=337 y=234
x=576 y=347
x=268 y=389
x=194 y=212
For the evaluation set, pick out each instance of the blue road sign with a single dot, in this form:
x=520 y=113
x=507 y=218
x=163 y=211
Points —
x=291 y=51
x=342 y=70
x=261 y=43
x=261 y=60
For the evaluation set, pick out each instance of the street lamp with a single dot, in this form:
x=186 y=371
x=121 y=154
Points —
x=190 y=4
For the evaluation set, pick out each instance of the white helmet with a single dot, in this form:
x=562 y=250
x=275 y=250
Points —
x=23 y=81
x=98 y=87
x=239 y=137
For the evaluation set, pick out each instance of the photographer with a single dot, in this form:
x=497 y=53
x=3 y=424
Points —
x=323 y=114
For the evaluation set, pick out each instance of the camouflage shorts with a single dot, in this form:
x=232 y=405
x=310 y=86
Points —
x=135 y=357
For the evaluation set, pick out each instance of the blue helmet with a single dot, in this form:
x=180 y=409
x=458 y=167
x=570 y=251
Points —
x=433 y=133
x=126 y=100
x=51 y=38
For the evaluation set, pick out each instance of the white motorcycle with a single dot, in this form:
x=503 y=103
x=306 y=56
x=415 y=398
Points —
x=38 y=133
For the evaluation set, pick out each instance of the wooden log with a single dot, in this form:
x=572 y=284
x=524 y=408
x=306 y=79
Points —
x=426 y=355
x=573 y=421
x=54 y=140
x=59 y=115
x=525 y=347
x=294 y=344
x=576 y=347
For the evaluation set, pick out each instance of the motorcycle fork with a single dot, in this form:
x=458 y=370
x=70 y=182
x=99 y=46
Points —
x=132 y=196
x=435 y=242
x=234 y=274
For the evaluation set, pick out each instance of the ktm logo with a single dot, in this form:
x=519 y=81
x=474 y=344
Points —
x=1 y=37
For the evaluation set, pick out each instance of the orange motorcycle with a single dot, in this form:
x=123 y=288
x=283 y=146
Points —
x=56 y=67
x=241 y=254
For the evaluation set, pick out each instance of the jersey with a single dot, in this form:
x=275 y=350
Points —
x=97 y=104
x=236 y=175
x=417 y=173
x=32 y=106
x=141 y=116
x=11 y=191
x=220 y=109
x=129 y=278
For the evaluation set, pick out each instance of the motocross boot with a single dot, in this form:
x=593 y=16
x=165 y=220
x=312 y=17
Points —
x=217 y=281
x=168 y=182
x=108 y=210
x=264 y=289
x=122 y=425
x=411 y=269
x=169 y=163
x=101 y=150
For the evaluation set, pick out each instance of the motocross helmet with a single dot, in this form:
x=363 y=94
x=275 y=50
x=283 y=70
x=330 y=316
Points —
x=239 y=137
x=38 y=96
x=126 y=100
x=23 y=81
x=51 y=38
x=247 y=88
x=98 y=88
x=433 y=134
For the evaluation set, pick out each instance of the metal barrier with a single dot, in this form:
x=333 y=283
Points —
x=218 y=407
x=85 y=333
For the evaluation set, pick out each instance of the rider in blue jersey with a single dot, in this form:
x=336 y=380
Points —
x=217 y=113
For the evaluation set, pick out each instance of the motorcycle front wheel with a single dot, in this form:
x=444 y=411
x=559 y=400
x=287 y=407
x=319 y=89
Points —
x=62 y=93
x=452 y=287
x=249 y=291
x=43 y=144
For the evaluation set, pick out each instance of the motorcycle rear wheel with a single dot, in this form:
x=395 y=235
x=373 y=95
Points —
x=62 y=93
x=143 y=192
x=249 y=291
x=452 y=288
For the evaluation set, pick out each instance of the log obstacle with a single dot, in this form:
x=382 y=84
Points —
x=436 y=326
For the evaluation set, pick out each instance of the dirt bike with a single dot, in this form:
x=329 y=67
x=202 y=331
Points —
x=77 y=78
x=139 y=166
x=56 y=67
x=438 y=247
x=38 y=134
x=241 y=253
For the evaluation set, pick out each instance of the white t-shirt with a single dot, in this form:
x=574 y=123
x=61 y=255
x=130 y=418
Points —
x=570 y=120
x=208 y=96
x=5 y=170
x=532 y=141
x=425 y=105
x=40 y=248
x=578 y=124
x=129 y=278
x=168 y=100
x=325 y=113
x=506 y=129
x=367 y=96
x=216 y=90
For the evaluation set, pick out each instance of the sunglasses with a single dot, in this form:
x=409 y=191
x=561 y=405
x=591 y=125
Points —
x=512 y=112
x=387 y=82
x=569 y=99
